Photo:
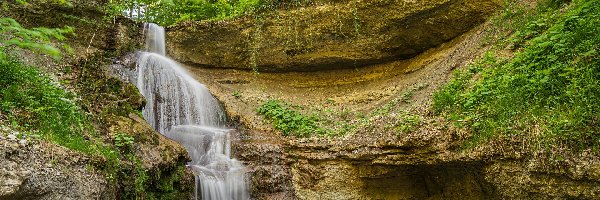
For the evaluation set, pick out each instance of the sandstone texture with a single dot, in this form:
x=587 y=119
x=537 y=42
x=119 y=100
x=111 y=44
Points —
x=326 y=34
x=41 y=170
x=376 y=161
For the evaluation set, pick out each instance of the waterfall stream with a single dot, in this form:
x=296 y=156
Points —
x=182 y=109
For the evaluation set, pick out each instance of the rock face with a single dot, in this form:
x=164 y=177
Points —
x=269 y=170
x=43 y=170
x=342 y=170
x=327 y=34
x=47 y=171
x=377 y=162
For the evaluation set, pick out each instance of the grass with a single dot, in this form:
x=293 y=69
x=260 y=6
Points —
x=32 y=101
x=549 y=90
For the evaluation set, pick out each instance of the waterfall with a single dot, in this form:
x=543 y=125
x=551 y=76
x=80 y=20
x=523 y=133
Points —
x=182 y=109
x=155 y=39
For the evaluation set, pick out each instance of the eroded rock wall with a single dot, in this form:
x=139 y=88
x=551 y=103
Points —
x=428 y=172
x=326 y=34
x=377 y=162
x=46 y=171
x=340 y=179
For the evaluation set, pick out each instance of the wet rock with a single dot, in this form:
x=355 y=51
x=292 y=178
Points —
x=268 y=169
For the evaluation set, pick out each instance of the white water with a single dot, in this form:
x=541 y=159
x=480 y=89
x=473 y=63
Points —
x=182 y=109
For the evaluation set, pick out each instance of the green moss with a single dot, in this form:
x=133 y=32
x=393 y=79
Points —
x=169 y=185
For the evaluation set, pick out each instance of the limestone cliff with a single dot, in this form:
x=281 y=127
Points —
x=384 y=156
x=326 y=34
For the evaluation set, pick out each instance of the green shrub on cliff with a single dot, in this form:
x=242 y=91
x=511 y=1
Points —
x=174 y=11
x=550 y=89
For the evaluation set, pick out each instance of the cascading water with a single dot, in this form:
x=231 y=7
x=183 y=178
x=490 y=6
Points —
x=184 y=110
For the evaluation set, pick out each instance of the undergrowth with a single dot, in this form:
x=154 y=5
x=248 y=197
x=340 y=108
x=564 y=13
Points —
x=32 y=101
x=288 y=118
x=290 y=121
x=172 y=12
x=549 y=90
x=34 y=104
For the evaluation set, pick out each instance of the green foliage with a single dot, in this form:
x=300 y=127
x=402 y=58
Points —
x=175 y=11
x=550 y=89
x=12 y=34
x=290 y=121
x=408 y=123
x=141 y=177
x=236 y=94
x=123 y=140
x=33 y=102
x=168 y=187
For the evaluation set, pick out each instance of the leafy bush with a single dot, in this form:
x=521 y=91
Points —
x=172 y=12
x=551 y=87
x=290 y=121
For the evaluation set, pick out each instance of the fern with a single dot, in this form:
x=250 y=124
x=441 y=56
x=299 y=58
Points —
x=39 y=40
